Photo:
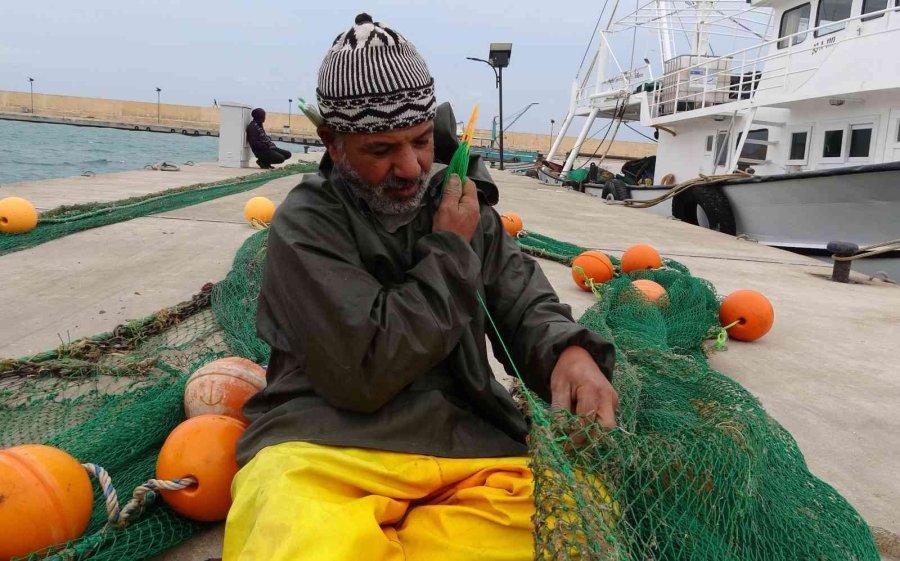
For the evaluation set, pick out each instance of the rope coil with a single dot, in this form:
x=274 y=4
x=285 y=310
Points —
x=143 y=495
x=680 y=188
x=258 y=224
x=163 y=166
x=871 y=250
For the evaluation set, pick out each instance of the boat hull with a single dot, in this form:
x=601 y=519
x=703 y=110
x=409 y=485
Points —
x=808 y=210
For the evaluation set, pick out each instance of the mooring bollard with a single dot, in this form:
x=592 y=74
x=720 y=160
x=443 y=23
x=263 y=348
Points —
x=841 y=271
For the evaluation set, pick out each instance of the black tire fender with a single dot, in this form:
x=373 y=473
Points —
x=615 y=190
x=714 y=203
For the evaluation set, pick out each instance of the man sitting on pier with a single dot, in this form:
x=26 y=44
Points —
x=263 y=148
x=382 y=433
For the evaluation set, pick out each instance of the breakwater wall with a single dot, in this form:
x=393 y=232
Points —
x=175 y=116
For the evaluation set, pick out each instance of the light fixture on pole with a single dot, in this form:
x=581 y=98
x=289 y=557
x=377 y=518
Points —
x=157 y=104
x=518 y=114
x=31 y=88
x=498 y=59
x=290 y=101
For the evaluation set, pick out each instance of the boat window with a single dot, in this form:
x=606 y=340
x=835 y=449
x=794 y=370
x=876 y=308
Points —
x=834 y=141
x=831 y=11
x=860 y=140
x=751 y=150
x=798 y=145
x=709 y=143
x=722 y=142
x=870 y=6
x=793 y=21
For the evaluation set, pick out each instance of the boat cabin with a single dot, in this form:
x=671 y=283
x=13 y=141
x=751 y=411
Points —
x=822 y=91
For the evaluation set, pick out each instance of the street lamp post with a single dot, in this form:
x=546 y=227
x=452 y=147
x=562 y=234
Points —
x=31 y=88
x=157 y=104
x=498 y=59
x=552 y=122
x=290 y=101
x=500 y=87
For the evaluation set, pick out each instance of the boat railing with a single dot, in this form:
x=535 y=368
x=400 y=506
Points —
x=693 y=82
x=609 y=91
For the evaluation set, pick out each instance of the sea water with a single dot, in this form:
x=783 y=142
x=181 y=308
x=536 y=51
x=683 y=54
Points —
x=33 y=151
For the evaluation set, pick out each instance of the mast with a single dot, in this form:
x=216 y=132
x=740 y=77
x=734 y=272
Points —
x=701 y=34
x=666 y=46
x=600 y=61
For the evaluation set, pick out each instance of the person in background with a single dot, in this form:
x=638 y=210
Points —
x=263 y=148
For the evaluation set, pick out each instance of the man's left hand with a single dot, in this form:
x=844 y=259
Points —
x=578 y=385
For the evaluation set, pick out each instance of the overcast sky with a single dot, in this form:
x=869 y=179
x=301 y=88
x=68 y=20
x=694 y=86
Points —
x=264 y=52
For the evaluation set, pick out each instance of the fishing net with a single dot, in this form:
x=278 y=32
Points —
x=696 y=469
x=65 y=220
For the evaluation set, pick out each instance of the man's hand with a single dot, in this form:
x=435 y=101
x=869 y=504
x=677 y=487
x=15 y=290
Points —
x=459 y=212
x=578 y=385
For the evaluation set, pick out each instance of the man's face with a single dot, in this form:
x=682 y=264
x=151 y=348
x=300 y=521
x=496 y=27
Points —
x=387 y=168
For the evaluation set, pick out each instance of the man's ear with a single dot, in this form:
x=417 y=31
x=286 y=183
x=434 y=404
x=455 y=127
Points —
x=329 y=139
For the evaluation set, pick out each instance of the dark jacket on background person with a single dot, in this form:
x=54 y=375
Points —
x=378 y=339
x=258 y=139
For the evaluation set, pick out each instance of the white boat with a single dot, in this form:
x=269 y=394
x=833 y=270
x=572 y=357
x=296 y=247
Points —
x=808 y=101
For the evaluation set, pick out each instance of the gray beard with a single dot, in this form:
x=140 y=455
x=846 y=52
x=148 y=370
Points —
x=376 y=197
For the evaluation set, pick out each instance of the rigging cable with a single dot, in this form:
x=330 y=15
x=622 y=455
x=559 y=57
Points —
x=619 y=122
x=634 y=34
x=605 y=132
x=591 y=42
x=616 y=113
x=651 y=139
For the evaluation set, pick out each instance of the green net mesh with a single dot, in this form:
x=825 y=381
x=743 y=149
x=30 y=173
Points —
x=66 y=220
x=697 y=470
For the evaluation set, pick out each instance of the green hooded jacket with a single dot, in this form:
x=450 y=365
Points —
x=378 y=340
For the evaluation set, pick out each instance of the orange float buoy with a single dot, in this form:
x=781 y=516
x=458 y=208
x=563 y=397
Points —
x=222 y=387
x=593 y=265
x=752 y=312
x=17 y=216
x=45 y=499
x=512 y=223
x=651 y=290
x=202 y=448
x=638 y=257
x=259 y=209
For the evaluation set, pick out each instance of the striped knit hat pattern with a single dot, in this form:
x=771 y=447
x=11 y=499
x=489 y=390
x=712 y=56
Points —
x=374 y=80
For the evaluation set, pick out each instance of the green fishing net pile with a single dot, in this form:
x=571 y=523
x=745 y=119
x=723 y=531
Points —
x=66 y=220
x=696 y=471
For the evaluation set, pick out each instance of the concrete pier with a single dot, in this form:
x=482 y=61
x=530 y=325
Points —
x=50 y=193
x=827 y=370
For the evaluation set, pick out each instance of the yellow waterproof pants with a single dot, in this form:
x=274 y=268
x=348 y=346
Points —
x=304 y=502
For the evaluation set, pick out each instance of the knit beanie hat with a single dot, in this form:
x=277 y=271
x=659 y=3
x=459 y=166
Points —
x=373 y=80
